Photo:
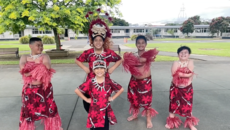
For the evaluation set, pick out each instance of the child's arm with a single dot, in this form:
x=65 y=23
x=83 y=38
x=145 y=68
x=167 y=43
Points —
x=116 y=95
x=80 y=64
x=46 y=61
x=22 y=62
x=79 y=93
x=174 y=67
x=117 y=63
x=190 y=67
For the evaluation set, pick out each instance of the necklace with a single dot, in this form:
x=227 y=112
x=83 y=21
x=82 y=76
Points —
x=34 y=57
x=99 y=56
x=183 y=64
x=97 y=86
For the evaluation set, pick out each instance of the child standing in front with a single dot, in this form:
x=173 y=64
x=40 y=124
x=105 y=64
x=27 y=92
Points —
x=100 y=89
x=140 y=85
x=181 y=91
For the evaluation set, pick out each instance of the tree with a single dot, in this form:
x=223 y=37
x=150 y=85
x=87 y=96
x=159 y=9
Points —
x=187 y=27
x=15 y=15
x=119 y=22
x=196 y=19
x=219 y=24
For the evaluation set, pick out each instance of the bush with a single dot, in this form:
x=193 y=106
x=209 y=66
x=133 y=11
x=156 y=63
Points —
x=48 y=40
x=29 y=36
x=24 y=40
x=39 y=37
x=133 y=37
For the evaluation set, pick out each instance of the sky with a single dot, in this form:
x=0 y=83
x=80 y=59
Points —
x=158 y=11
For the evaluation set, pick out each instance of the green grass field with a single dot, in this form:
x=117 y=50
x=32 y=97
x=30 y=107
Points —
x=25 y=47
x=180 y=39
x=13 y=42
x=215 y=49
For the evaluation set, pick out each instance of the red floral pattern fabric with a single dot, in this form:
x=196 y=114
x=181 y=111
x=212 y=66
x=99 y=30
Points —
x=99 y=101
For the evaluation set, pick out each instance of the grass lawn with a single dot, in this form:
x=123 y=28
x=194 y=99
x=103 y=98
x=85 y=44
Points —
x=26 y=47
x=182 y=39
x=216 y=49
x=14 y=42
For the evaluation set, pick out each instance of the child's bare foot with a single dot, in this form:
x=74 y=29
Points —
x=193 y=128
x=149 y=123
x=132 y=118
x=166 y=126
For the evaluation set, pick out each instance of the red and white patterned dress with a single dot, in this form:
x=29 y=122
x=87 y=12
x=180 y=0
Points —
x=99 y=94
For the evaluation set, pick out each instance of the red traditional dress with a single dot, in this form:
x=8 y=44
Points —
x=140 y=90
x=37 y=100
x=99 y=94
x=90 y=56
x=181 y=99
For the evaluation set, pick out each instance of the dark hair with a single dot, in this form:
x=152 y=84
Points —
x=141 y=37
x=34 y=39
x=183 y=48
x=93 y=38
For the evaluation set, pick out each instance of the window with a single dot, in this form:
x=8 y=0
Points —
x=126 y=30
x=47 y=32
x=139 y=30
x=228 y=30
x=36 y=31
x=115 y=31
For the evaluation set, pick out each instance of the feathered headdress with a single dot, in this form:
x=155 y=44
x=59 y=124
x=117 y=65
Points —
x=97 y=26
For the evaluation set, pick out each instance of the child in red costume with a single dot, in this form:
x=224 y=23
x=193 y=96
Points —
x=181 y=91
x=37 y=93
x=140 y=85
x=100 y=89
x=99 y=37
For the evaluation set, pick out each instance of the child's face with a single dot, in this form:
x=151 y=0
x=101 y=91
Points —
x=184 y=55
x=141 y=44
x=36 y=47
x=99 y=72
x=98 y=42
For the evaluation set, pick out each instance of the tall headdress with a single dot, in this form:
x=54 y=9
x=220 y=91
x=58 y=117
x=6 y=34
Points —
x=98 y=27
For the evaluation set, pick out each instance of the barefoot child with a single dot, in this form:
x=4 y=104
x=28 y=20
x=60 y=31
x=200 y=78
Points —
x=181 y=91
x=37 y=93
x=140 y=85
x=100 y=89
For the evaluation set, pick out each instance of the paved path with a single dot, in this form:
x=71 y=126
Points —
x=211 y=97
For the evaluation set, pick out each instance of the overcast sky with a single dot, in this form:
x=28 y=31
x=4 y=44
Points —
x=138 y=11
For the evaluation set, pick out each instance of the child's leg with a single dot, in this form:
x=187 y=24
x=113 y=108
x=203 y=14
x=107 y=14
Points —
x=133 y=99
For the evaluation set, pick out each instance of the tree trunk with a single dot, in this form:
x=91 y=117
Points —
x=57 y=40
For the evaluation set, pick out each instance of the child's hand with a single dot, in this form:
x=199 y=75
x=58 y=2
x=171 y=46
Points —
x=181 y=74
x=86 y=70
x=110 y=99
x=88 y=100
x=110 y=70
x=27 y=74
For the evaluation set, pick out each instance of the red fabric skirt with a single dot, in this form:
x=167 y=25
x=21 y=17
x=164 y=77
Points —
x=37 y=104
x=140 y=95
x=181 y=100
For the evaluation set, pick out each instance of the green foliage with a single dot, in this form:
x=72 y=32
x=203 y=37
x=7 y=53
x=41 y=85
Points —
x=48 y=40
x=133 y=37
x=219 y=24
x=29 y=36
x=39 y=36
x=196 y=19
x=24 y=40
x=50 y=14
x=187 y=27
x=119 y=22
